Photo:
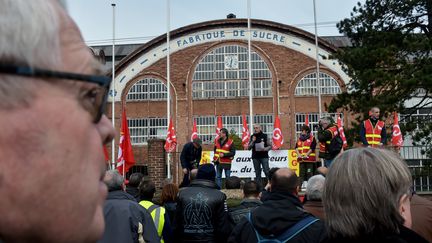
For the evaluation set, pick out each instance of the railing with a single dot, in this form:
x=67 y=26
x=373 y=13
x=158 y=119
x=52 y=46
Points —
x=420 y=166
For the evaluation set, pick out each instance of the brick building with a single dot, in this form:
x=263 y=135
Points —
x=209 y=77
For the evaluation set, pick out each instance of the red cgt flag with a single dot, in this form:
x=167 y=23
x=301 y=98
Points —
x=194 y=131
x=277 y=135
x=341 y=131
x=106 y=153
x=307 y=119
x=218 y=127
x=125 y=159
x=397 y=139
x=245 y=133
x=171 y=139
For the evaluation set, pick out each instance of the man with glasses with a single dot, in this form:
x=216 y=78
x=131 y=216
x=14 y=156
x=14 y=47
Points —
x=51 y=112
x=260 y=147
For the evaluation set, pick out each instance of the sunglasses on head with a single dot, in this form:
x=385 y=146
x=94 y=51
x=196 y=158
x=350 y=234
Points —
x=100 y=95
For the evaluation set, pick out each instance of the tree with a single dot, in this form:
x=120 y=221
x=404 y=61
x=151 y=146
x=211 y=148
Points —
x=236 y=140
x=390 y=62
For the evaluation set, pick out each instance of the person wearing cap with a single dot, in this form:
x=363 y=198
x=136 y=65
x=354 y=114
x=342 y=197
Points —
x=190 y=158
x=202 y=212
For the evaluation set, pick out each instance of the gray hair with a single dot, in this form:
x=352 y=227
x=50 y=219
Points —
x=113 y=180
x=362 y=192
x=29 y=35
x=315 y=187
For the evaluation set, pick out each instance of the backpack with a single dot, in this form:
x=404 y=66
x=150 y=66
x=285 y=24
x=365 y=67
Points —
x=335 y=145
x=287 y=234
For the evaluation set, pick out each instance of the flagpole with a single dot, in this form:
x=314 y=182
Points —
x=317 y=61
x=113 y=85
x=168 y=83
x=251 y=121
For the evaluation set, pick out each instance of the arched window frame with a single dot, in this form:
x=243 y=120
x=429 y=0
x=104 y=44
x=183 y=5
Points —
x=222 y=73
x=307 y=86
x=148 y=89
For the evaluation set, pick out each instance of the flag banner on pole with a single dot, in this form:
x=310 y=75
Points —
x=194 y=131
x=171 y=139
x=307 y=119
x=219 y=126
x=125 y=159
x=106 y=153
x=277 y=135
x=245 y=133
x=341 y=131
x=397 y=139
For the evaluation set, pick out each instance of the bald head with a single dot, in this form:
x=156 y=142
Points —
x=284 y=180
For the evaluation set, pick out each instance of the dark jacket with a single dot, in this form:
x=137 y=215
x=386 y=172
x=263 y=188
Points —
x=405 y=236
x=279 y=212
x=190 y=155
x=325 y=135
x=202 y=214
x=315 y=208
x=170 y=208
x=123 y=217
x=246 y=205
x=134 y=192
x=260 y=137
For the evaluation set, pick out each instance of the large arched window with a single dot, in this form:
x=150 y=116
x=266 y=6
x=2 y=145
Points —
x=147 y=89
x=308 y=85
x=144 y=128
x=223 y=73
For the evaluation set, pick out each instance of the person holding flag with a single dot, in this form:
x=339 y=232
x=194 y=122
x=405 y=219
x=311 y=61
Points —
x=224 y=152
x=260 y=146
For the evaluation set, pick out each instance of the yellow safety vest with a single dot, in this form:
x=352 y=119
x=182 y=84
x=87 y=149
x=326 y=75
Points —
x=158 y=214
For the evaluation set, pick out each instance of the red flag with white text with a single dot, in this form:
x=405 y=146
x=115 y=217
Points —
x=125 y=159
x=219 y=126
x=341 y=131
x=277 y=135
x=245 y=133
x=194 y=131
x=397 y=139
x=171 y=139
x=307 y=119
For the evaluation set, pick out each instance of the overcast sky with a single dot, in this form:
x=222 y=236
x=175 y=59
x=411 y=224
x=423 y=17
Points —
x=138 y=21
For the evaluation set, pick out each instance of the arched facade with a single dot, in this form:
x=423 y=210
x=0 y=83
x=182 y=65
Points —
x=209 y=78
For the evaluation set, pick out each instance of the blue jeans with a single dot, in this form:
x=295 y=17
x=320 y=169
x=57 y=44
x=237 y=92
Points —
x=219 y=168
x=327 y=162
x=257 y=166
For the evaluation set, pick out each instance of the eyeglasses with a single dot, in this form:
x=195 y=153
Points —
x=99 y=96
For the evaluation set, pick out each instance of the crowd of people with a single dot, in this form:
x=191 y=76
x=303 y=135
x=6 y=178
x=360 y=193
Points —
x=54 y=185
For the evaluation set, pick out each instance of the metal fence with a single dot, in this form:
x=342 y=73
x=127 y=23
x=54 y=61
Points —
x=420 y=166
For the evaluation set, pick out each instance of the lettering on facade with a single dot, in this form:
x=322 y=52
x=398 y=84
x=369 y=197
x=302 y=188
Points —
x=221 y=34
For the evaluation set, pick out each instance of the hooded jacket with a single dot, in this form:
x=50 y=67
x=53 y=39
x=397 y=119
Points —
x=126 y=220
x=269 y=221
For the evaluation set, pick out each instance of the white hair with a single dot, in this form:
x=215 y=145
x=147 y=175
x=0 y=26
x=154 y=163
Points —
x=29 y=35
x=315 y=187
x=29 y=32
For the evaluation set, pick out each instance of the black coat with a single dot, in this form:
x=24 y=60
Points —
x=189 y=154
x=405 y=236
x=278 y=212
x=122 y=218
x=260 y=137
x=202 y=214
